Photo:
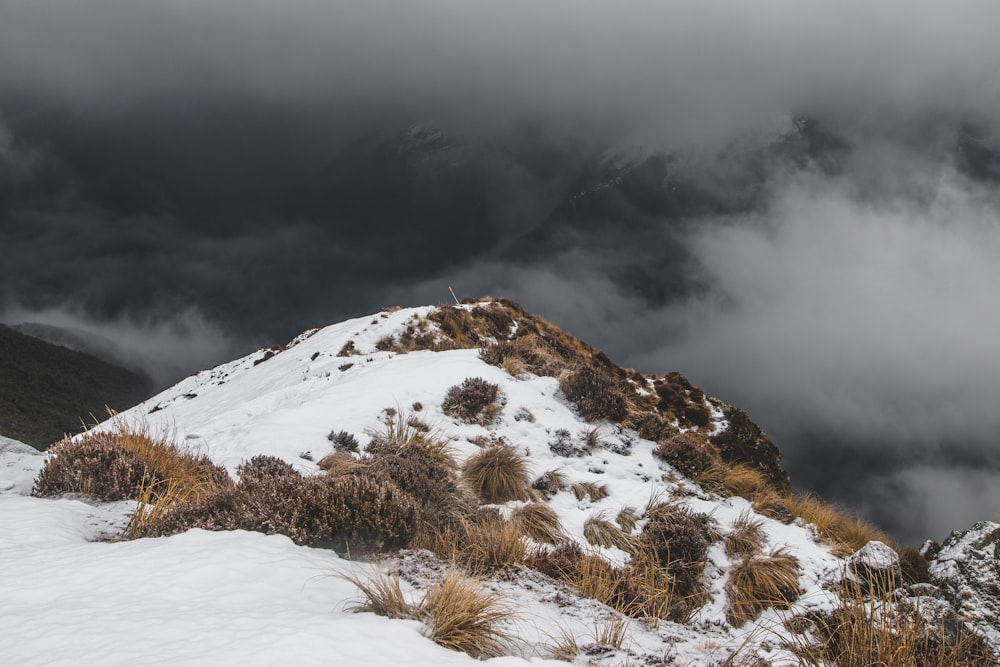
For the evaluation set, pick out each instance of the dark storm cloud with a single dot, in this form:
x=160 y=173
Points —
x=194 y=179
x=682 y=68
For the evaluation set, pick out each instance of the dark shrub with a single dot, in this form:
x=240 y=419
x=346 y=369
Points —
x=562 y=444
x=550 y=483
x=386 y=344
x=915 y=568
x=675 y=537
x=652 y=426
x=97 y=467
x=560 y=562
x=265 y=467
x=349 y=513
x=430 y=482
x=496 y=320
x=596 y=394
x=745 y=442
x=475 y=401
x=687 y=453
x=495 y=354
x=343 y=441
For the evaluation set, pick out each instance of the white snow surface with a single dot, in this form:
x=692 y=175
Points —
x=68 y=595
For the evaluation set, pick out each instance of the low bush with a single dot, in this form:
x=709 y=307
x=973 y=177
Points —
x=343 y=441
x=675 y=540
x=497 y=474
x=562 y=444
x=595 y=393
x=126 y=463
x=743 y=441
x=97 y=468
x=559 y=562
x=914 y=567
x=687 y=453
x=761 y=581
x=263 y=467
x=432 y=484
x=475 y=401
x=351 y=513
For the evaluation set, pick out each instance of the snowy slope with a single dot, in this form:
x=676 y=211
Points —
x=226 y=598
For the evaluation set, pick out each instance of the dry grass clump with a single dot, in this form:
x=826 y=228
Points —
x=627 y=518
x=562 y=646
x=475 y=401
x=742 y=480
x=383 y=596
x=458 y=613
x=601 y=532
x=596 y=393
x=746 y=536
x=400 y=431
x=772 y=504
x=593 y=490
x=760 y=581
x=688 y=453
x=713 y=478
x=539 y=522
x=844 y=531
x=462 y=616
x=339 y=463
x=497 y=474
x=127 y=462
x=612 y=632
x=550 y=482
x=871 y=630
x=480 y=543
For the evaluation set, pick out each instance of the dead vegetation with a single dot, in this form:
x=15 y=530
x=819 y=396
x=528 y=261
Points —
x=458 y=612
x=760 y=581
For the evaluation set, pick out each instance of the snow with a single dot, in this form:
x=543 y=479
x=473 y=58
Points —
x=66 y=597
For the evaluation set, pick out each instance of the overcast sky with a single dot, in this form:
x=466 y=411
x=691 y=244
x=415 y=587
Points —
x=192 y=179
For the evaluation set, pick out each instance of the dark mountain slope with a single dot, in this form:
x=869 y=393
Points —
x=47 y=390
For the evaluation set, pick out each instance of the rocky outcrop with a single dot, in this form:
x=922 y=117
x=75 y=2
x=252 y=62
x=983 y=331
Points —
x=966 y=569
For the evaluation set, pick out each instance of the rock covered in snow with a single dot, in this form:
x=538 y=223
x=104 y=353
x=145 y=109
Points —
x=875 y=565
x=967 y=570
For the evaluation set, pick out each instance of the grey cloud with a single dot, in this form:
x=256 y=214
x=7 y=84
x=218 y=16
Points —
x=687 y=69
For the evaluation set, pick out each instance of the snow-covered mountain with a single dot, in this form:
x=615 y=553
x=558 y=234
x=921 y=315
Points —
x=620 y=440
